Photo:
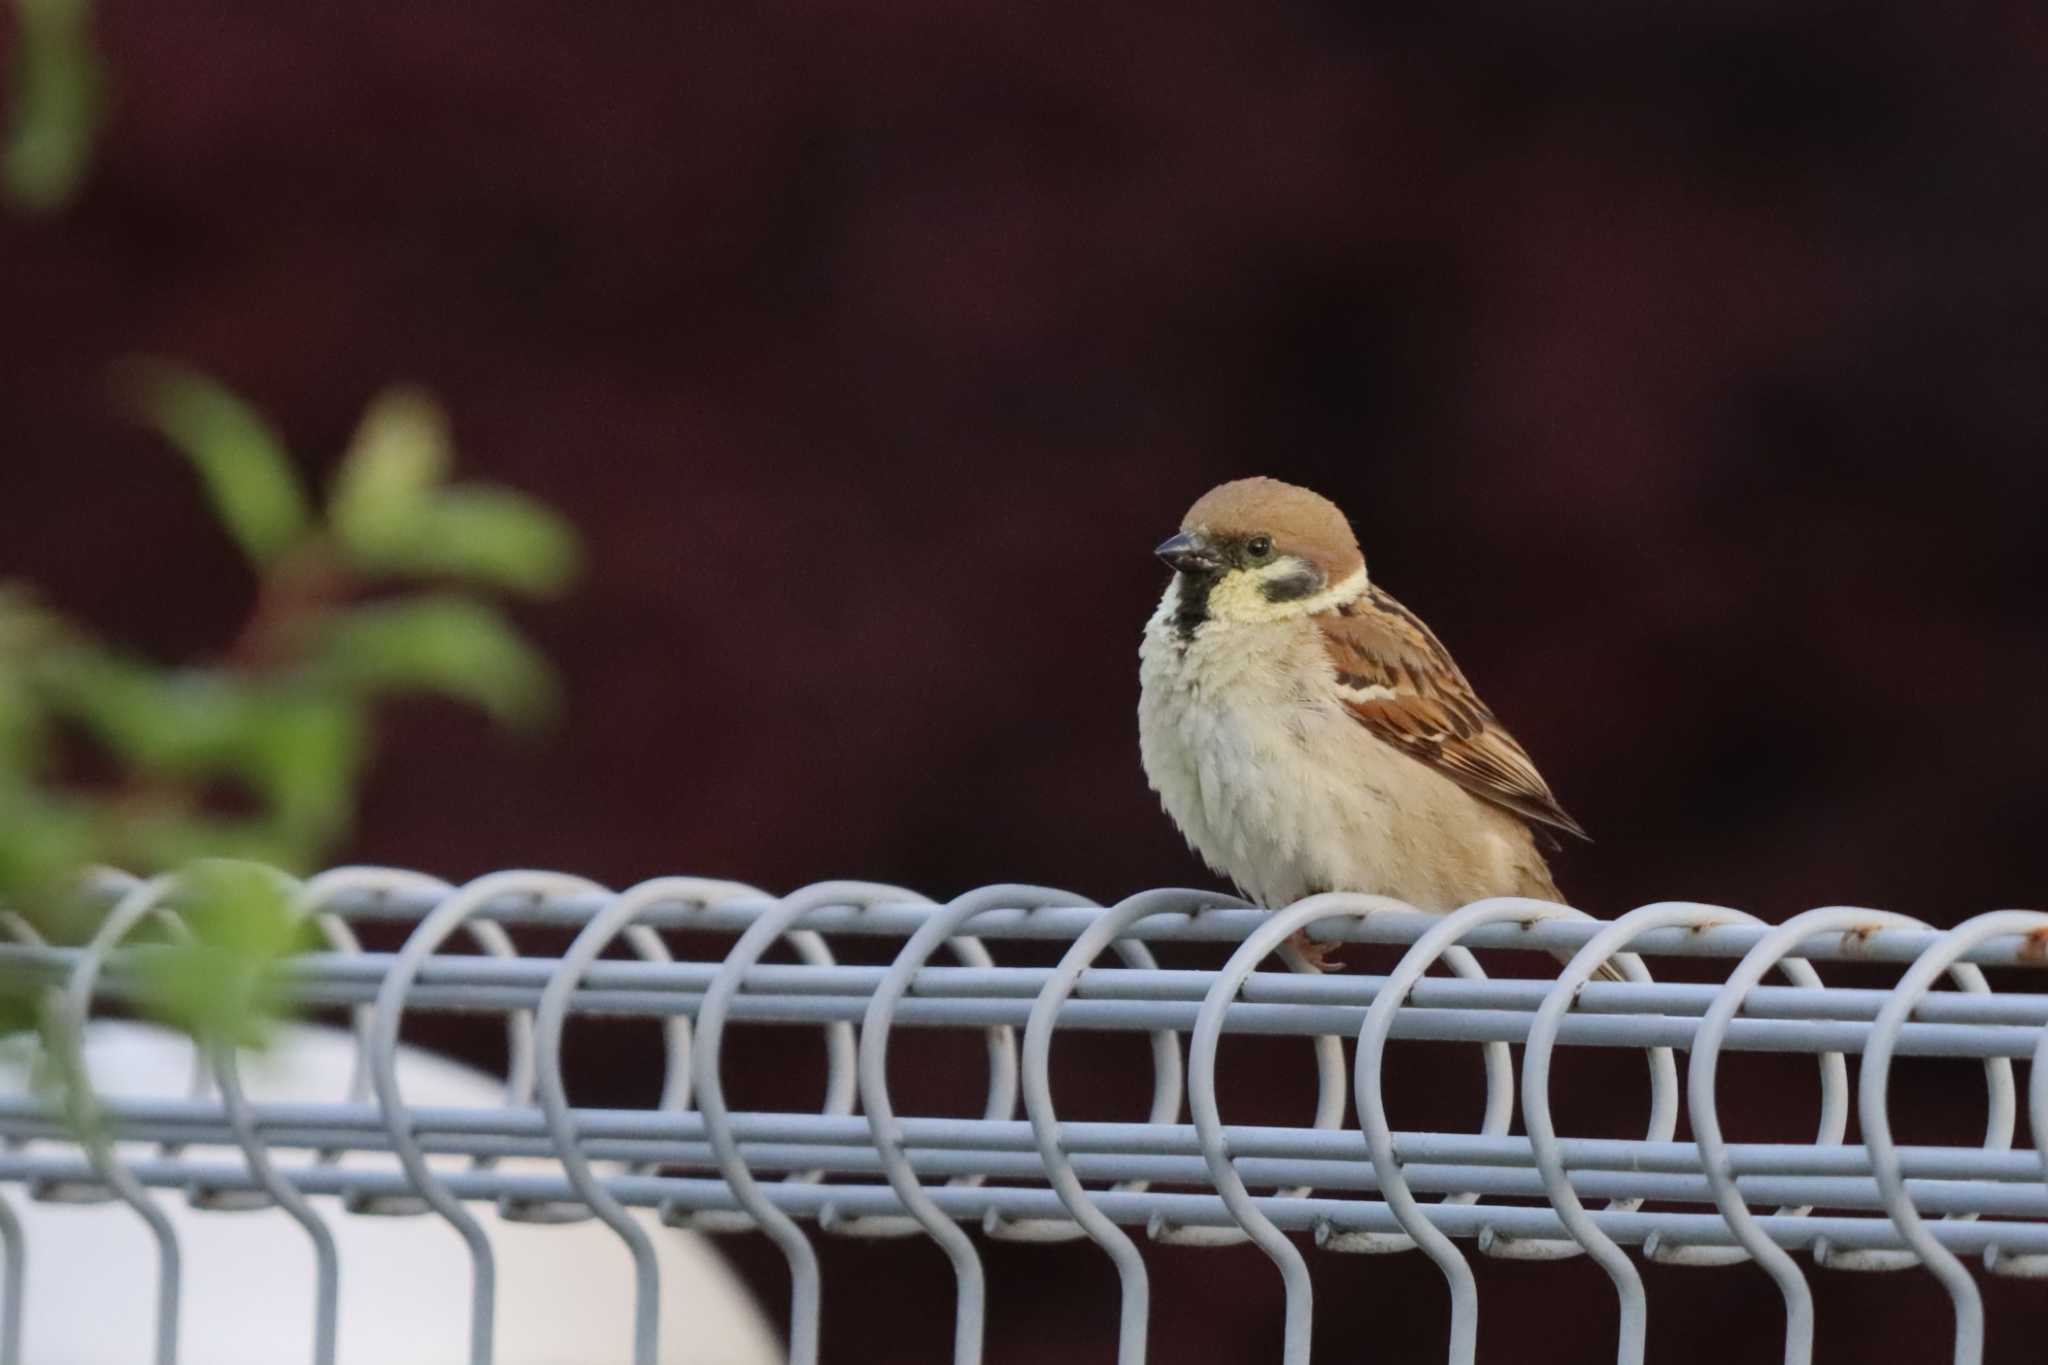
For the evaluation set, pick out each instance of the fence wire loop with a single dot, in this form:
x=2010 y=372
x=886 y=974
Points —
x=1167 y=1078
x=1543 y=1031
x=13 y=1237
x=1439 y=943
x=971 y=1284
x=309 y=903
x=451 y=914
x=1330 y=1104
x=64 y=1019
x=1107 y=931
x=805 y=1288
x=871 y=1065
x=841 y=1079
x=2001 y=1104
x=614 y=919
x=1874 y=1112
x=1704 y=1112
x=275 y=1189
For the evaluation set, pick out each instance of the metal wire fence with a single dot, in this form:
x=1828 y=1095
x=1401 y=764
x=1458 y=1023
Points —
x=858 y=1168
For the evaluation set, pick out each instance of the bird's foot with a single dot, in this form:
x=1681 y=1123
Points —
x=1320 y=956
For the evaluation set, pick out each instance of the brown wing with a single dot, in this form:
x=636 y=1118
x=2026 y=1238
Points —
x=1403 y=686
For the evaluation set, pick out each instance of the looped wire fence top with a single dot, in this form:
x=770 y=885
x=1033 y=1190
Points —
x=1348 y=1179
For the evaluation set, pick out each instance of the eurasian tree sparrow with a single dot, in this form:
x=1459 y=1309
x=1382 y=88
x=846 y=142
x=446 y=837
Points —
x=1308 y=733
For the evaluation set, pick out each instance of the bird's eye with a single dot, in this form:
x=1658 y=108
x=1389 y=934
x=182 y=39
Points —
x=1260 y=548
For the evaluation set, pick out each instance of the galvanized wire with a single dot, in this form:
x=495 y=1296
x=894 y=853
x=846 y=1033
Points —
x=1873 y=1205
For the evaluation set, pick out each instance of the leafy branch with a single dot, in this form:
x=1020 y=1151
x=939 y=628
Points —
x=259 y=754
x=60 y=96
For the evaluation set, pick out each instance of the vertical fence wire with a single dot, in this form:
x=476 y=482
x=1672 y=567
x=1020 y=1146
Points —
x=806 y=1292
x=607 y=924
x=13 y=1236
x=64 y=1019
x=1439 y=943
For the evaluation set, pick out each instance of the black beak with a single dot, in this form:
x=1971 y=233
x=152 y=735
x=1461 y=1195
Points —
x=1189 y=554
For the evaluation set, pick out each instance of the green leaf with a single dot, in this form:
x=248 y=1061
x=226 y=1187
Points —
x=156 y=840
x=491 y=537
x=298 y=748
x=224 y=983
x=456 y=646
x=240 y=906
x=44 y=842
x=29 y=633
x=303 y=751
x=17 y=1007
x=169 y=723
x=399 y=454
x=60 y=97
x=393 y=518
x=27 y=627
x=499 y=538
x=243 y=464
x=22 y=732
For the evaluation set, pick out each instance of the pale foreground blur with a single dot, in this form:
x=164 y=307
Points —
x=565 y=1293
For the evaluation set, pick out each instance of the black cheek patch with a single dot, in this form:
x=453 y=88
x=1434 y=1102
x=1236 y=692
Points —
x=1291 y=588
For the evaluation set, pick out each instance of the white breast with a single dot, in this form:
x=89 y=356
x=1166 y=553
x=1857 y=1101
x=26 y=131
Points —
x=1284 y=792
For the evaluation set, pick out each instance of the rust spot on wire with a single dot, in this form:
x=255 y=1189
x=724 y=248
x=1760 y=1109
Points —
x=1857 y=939
x=2034 y=947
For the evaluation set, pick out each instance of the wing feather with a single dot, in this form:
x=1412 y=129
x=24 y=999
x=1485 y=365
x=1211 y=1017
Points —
x=1396 y=677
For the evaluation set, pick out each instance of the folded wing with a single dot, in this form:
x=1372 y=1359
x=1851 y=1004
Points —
x=1396 y=677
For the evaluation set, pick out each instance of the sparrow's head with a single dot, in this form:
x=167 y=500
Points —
x=1262 y=550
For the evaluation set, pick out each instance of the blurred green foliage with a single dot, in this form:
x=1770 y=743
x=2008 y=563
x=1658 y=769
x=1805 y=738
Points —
x=57 y=98
x=218 y=984
x=258 y=755
x=227 y=773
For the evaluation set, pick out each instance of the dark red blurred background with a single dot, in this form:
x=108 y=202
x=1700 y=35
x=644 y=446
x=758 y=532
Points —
x=1685 y=371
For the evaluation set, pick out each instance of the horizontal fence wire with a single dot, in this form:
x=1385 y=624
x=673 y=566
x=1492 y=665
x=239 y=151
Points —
x=1348 y=1181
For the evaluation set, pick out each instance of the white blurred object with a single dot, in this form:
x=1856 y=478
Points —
x=565 y=1293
